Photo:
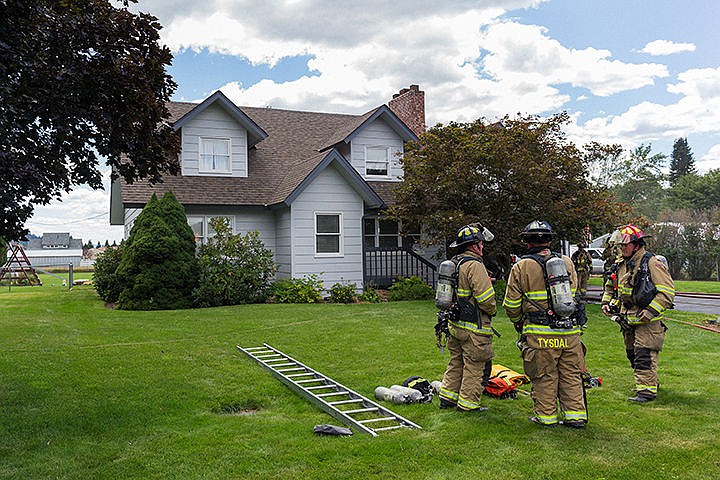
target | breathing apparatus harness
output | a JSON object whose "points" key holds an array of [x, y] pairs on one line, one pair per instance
{"points": [[643, 290], [452, 308], [562, 310]]}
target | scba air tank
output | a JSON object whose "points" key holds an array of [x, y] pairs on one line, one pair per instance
{"points": [[561, 295], [446, 282], [398, 394]]}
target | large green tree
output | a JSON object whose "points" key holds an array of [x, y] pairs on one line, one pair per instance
{"points": [[682, 162], [503, 174], [642, 186], [696, 192], [79, 80]]}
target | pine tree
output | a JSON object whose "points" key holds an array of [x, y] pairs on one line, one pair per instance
{"points": [[682, 162]]}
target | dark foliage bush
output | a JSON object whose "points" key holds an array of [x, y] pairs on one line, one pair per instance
{"points": [[105, 279]]}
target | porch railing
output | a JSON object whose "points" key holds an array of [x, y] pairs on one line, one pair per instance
{"points": [[383, 266]]}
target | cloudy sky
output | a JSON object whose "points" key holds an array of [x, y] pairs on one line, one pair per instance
{"points": [[627, 71]]}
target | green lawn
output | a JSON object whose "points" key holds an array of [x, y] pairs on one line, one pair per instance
{"points": [[680, 285], [89, 392]]}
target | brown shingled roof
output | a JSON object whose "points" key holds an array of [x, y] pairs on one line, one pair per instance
{"points": [[276, 166]]}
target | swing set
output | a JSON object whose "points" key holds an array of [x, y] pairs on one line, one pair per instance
{"points": [[17, 269]]}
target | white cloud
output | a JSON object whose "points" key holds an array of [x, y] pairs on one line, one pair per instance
{"points": [[696, 113], [698, 82], [524, 52], [469, 63], [84, 213], [709, 161], [667, 47]]}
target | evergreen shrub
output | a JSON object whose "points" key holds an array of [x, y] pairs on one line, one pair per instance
{"points": [[298, 290], [158, 268], [499, 286], [369, 295], [342, 293], [412, 288]]}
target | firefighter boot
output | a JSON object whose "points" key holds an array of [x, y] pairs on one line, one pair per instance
{"points": [[641, 398], [446, 404], [540, 422]]}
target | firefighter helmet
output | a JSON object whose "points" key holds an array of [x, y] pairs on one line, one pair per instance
{"points": [[537, 231], [469, 234], [631, 233]]}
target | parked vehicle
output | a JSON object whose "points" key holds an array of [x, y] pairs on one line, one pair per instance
{"points": [[597, 261]]}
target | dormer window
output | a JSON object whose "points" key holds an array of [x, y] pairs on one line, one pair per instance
{"points": [[214, 155], [377, 161]]}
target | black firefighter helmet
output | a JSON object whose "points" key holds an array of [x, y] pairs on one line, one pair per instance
{"points": [[472, 233], [537, 231]]}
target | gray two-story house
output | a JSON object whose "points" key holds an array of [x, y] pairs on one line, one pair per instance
{"points": [[314, 185]]}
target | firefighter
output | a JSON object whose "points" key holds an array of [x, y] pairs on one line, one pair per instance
{"points": [[553, 356], [612, 254], [582, 261], [638, 313], [470, 339]]}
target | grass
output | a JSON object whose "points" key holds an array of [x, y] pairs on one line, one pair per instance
{"points": [[89, 392], [698, 286]]}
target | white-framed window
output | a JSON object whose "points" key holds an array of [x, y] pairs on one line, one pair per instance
{"points": [[328, 234], [214, 155], [377, 161], [201, 227]]}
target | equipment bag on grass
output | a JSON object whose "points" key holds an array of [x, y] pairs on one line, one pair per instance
{"points": [[502, 388]]}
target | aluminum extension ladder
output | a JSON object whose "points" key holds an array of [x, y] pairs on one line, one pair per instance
{"points": [[342, 403]]}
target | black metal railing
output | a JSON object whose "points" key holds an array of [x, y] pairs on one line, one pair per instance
{"points": [[383, 266]]}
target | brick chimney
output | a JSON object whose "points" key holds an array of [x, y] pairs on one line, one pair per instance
{"points": [[409, 106]]}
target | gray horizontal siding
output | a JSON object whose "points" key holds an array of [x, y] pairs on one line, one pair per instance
{"points": [[377, 134], [328, 193], [214, 122]]}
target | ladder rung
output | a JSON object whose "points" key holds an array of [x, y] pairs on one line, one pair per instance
{"points": [[379, 419], [291, 369], [300, 374], [320, 387], [257, 348], [394, 427], [339, 392], [340, 402], [283, 364], [311, 380], [361, 410]]}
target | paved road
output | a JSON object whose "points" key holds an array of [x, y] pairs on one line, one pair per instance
{"points": [[683, 301]]}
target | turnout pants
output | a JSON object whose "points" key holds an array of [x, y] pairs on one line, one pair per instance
{"points": [[583, 278], [554, 364], [468, 369], [643, 343]]}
